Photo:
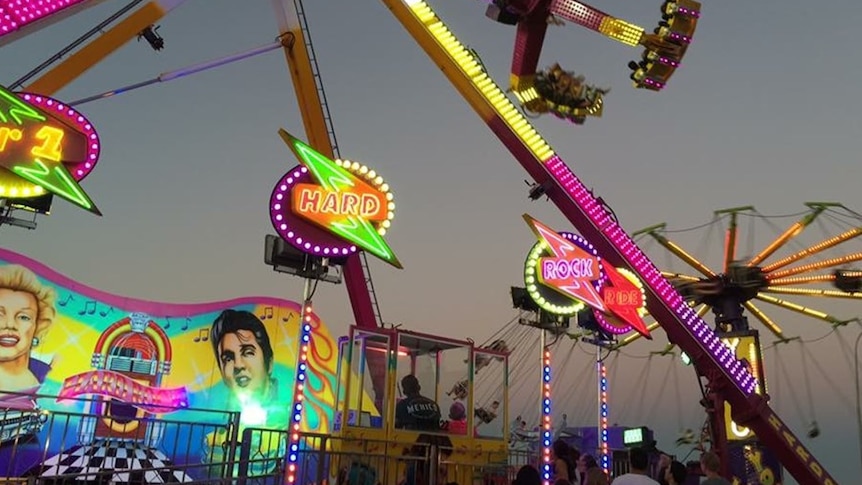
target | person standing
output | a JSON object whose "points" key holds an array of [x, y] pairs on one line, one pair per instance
{"points": [[710, 465], [415, 411], [564, 423], [675, 474], [638, 466]]}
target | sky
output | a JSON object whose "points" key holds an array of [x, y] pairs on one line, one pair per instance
{"points": [[763, 112]]}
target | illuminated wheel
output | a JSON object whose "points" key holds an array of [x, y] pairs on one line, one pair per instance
{"points": [[796, 271], [809, 266]]}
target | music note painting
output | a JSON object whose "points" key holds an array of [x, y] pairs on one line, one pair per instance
{"points": [[113, 366]]}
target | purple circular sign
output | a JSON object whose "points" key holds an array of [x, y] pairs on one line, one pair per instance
{"points": [[300, 233]]}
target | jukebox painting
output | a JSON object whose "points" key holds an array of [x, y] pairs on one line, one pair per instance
{"points": [[136, 390]]}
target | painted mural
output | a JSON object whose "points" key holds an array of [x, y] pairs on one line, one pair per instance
{"points": [[91, 381]]}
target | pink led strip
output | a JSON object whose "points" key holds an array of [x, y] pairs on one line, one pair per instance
{"points": [[579, 13], [16, 14], [651, 275]]}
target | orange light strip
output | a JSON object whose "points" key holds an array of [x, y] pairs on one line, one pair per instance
{"points": [[730, 245], [823, 245], [799, 280], [765, 320], [682, 254], [679, 276], [799, 308], [828, 263], [813, 292], [790, 233]]}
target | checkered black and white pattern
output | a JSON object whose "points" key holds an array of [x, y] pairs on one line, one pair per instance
{"points": [[118, 462]]}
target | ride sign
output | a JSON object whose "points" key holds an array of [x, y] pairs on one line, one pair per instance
{"points": [[569, 265], [335, 206], [45, 147]]}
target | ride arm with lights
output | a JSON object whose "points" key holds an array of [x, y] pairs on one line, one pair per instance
{"points": [[593, 221], [663, 50]]}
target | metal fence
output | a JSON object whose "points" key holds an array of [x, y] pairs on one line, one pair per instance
{"points": [[47, 447], [81, 448]]}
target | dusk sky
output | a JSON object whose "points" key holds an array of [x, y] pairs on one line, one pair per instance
{"points": [[764, 111]]}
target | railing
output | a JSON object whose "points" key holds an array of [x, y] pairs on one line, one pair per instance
{"points": [[51, 447], [56, 446]]}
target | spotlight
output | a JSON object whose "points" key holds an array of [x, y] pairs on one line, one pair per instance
{"points": [[522, 300], [154, 39], [538, 190]]}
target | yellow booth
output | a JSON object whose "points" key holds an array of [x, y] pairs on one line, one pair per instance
{"points": [[414, 408]]}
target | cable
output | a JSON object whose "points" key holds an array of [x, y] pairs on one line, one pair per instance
{"points": [[642, 377], [712, 222], [783, 372], [825, 375], [807, 381], [846, 349], [761, 215], [650, 414], [677, 396], [69, 48], [182, 72]]}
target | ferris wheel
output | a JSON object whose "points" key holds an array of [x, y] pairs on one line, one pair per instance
{"points": [[784, 273], [811, 263]]}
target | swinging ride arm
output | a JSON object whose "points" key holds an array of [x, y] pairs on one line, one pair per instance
{"points": [[683, 326], [307, 85]]}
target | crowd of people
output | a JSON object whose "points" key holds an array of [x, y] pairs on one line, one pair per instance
{"points": [[570, 467]]}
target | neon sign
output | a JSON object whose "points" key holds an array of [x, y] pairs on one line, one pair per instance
{"points": [[332, 208], [570, 266], [624, 295], [124, 388], [46, 147]]}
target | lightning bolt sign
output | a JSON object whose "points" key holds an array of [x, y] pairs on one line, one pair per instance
{"points": [[571, 270], [38, 147], [624, 300], [341, 202]]}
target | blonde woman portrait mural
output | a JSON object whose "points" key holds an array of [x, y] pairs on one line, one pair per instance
{"points": [[26, 312]]}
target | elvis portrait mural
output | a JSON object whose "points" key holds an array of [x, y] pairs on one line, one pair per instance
{"points": [[145, 391]]}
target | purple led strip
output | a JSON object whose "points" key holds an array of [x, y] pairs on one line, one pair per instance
{"points": [[650, 274], [610, 328], [668, 62], [578, 13], [280, 203], [689, 12], [680, 37], [15, 14], [69, 115], [653, 83]]}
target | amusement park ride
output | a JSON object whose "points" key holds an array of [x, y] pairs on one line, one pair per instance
{"points": [[374, 358]]}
